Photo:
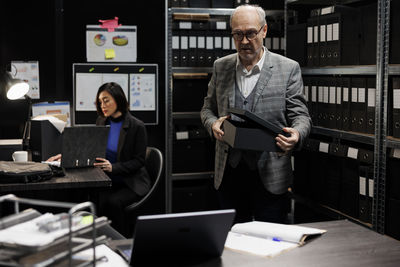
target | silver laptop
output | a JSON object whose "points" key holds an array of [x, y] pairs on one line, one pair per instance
{"points": [[179, 237], [81, 145]]}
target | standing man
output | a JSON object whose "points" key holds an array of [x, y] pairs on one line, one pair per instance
{"points": [[269, 85]]}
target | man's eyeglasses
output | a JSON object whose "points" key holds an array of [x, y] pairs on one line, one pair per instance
{"points": [[250, 35]]}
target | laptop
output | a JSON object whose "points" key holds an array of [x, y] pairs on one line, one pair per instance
{"points": [[81, 145], [178, 237]]}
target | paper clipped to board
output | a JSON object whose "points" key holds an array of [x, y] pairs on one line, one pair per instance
{"points": [[268, 239]]}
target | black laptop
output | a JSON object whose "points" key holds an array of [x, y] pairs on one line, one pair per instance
{"points": [[81, 145], [179, 237]]}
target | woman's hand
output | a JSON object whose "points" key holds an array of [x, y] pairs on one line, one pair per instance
{"points": [[54, 158], [104, 164]]}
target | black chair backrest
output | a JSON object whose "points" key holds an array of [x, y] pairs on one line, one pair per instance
{"points": [[153, 163]]}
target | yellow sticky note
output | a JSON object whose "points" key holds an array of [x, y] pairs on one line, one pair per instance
{"points": [[87, 219], [109, 53]]}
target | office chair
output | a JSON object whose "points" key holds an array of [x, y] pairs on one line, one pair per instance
{"points": [[154, 166]]}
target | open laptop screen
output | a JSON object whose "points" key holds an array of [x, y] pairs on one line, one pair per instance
{"points": [[180, 236], [81, 145]]}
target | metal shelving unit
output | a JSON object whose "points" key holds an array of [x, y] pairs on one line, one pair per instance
{"points": [[382, 69]]}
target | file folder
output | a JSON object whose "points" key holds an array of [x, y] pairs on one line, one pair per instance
{"points": [[314, 100], [339, 107], [310, 41], [200, 29], [296, 46], [348, 202], [192, 50], [175, 45], [184, 48], [346, 103], [307, 93], [331, 114], [366, 190], [396, 106], [358, 104], [369, 34], [365, 156], [370, 124], [322, 41]]}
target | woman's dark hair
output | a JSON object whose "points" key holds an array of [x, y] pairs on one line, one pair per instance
{"points": [[115, 90]]}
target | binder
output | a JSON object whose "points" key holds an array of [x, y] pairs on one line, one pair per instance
{"points": [[394, 38], [338, 107], [368, 34], [393, 174], [342, 28], [366, 191], [192, 50], [307, 93], [396, 106], [221, 28], [348, 202], [365, 156], [184, 29], [314, 100], [358, 104], [322, 41], [226, 40], [314, 22], [312, 40], [200, 28], [331, 113], [346, 103], [175, 45], [320, 102], [370, 124], [210, 55]]}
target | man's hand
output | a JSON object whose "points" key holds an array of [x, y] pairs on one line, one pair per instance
{"points": [[288, 143], [216, 128]]}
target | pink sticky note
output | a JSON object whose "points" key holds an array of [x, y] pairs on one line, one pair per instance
{"points": [[109, 24]]}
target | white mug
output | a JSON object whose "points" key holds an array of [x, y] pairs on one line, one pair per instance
{"points": [[21, 156]]}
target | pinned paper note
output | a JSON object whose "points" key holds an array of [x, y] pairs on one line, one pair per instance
{"points": [[109, 53], [109, 24]]}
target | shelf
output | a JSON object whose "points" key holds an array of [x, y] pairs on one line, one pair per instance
{"points": [[328, 211], [340, 70], [191, 70], [344, 135], [192, 176], [186, 115], [393, 142], [322, 3], [220, 11], [394, 69]]}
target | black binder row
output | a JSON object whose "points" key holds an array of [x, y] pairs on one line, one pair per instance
{"points": [[337, 176], [348, 103], [200, 43], [342, 35], [393, 195], [333, 36]]}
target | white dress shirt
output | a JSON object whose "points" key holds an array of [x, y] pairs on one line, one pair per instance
{"points": [[246, 80]]}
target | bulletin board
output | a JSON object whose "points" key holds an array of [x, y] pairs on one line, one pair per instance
{"points": [[138, 81]]}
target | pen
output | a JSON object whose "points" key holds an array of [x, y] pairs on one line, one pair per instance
{"points": [[276, 239]]}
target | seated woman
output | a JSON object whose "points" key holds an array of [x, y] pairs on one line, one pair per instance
{"points": [[125, 155]]}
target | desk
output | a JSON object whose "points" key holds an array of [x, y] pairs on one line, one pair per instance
{"points": [[74, 178], [344, 244]]}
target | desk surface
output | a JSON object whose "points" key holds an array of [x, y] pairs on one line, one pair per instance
{"points": [[344, 244], [74, 178]]}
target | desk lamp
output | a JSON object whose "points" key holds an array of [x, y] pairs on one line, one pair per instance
{"points": [[15, 89]]}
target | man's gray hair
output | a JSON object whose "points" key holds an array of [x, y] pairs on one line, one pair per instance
{"points": [[260, 11]]}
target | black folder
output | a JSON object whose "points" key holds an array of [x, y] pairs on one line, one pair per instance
{"points": [[331, 106], [366, 190], [175, 44], [200, 29], [346, 103], [192, 49], [45, 140], [296, 45], [252, 133], [396, 106], [314, 100], [322, 41], [339, 101], [359, 104], [312, 41], [210, 53], [184, 47], [370, 124], [348, 202]]}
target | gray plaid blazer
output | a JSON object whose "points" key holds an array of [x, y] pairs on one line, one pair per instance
{"points": [[278, 99]]}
